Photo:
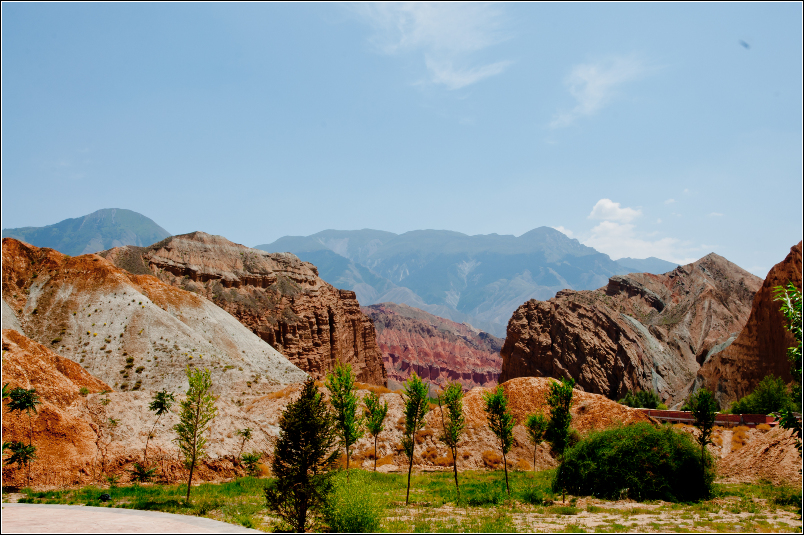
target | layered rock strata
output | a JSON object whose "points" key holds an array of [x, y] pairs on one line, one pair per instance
{"points": [[761, 347], [437, 349], [133, 331], [640, 332], [276, 295]]}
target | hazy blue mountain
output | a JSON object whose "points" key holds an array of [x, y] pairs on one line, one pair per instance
{"points": [[104, 229], [479, 279], [651, 264]]}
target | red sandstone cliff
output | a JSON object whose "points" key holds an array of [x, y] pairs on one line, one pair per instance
{"points": [[761, 347], [276, 295], [641, 331], [437, 349]]}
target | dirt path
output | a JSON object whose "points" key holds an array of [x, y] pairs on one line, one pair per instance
{"points": [[33, 518]]}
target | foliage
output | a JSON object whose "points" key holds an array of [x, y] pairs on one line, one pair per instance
{"points": [[770, 395], [453, 424], [160, 404], [559, 398], [142, 473], [21, 454], [197, 411], [250, 461], [375, 414], [414, 395], [246, 434], [703, 406], [536, 426], [501, 423], [303, 459], [638, 461], [21, 399], [641, 399], [790, 297], [353, 507], [349, 425]]}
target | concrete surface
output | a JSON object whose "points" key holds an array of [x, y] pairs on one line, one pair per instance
{"points": [[36, 518]]}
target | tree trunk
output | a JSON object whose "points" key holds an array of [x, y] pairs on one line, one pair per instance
{"points": [[190, 480], [375, 453], [505, 465], [410, 469], [347, 463], [534, 458], [145, 452], [455, 470]]}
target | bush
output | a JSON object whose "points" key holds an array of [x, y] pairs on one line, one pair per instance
{"points": [[486, 493], [641, 399], [353, 506], [770, 395], [639, 461]]}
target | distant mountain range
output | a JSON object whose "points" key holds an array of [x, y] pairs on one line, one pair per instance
{"points": [[479, 279], [104, 229]]}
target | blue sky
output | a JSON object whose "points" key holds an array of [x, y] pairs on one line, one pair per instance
{"points": [[669, 130]]}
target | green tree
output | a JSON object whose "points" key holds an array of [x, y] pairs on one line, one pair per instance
{"points": [[375, 414], [559, 398], [250, 461], [703, 406], [453, 424], [142, 474], [501, 423], [246, 434], [770, 395], [22, 455], [197, 411], [536, 426], [790, 297], [21, 399], [644, 399], [341, 385], [303, 459], [414, 395], [160, 404]]}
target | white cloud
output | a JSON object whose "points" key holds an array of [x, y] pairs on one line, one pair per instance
{"points": [[715, 214], [669, 201], [594, 85], [564, 231], [620, 240], [686, 191], [658, 221], [609, 210], [447, 34]]}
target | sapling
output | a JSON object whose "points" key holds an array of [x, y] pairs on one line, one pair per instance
{"points": [[452, 424], [375, 417], [197, 411], [501, 423], [536, 425], [341, 385], [416, 406]]}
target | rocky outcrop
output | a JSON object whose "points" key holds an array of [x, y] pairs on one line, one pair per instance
{"points": [[761, 347], [276, 295], [641, 331], [133, 331], [437, 349]]}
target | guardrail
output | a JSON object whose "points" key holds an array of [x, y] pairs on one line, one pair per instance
{"points": [[725, 420]]}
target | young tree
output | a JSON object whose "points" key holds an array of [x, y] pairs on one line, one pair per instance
{"points": [[790, 297], [303, 459], [536, 425], [703, 406], [453, 424], [21, 454], [246, 434], [197, 411], [375, 417], [501, 423], [559, 399], [414, 394], [341, 386], [160, 404], [25, 400]]}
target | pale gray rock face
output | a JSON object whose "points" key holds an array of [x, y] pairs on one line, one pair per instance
{"points": [[10, 320]]}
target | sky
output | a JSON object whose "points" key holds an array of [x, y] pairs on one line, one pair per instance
{"points": [[667, 130]]}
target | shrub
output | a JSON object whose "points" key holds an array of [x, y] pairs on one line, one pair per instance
{"points": [[640, 461], [492, 459], [486, 493], [353, 506], [83, 391], [770, 395], [641, 399]]}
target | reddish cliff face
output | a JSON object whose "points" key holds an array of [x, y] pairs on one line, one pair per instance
{"points": [[761, 347], [437, 349], [641, 331], [276, 295]]}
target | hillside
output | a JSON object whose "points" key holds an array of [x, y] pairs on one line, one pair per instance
{"points": [[437, 349], [479, 279], [110, 227], [639, 332]]}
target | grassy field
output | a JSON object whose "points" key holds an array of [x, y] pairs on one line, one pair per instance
{"points": [[484, 505]]}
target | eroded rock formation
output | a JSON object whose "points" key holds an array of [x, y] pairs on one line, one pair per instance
{"points": [[761, 347], [641, 331], [276, 295], [437, 349]]}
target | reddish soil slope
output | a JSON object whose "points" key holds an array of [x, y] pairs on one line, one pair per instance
{"points": [[437, 349], [276, 295], [641, 331], [761, 347]]}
